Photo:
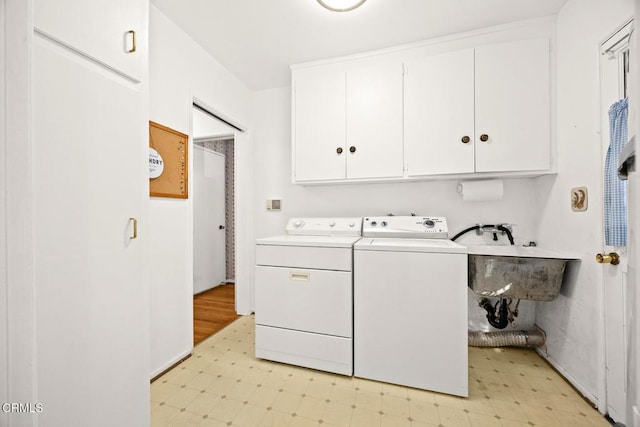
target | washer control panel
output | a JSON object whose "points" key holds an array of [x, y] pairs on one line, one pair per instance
{"points": [[325, 226], [409, 227]]}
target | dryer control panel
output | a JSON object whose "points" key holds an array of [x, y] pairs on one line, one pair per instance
{"points": [[409, 227], [324, 226]]}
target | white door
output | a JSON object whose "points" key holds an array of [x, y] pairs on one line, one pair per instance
{"points": [[438, 114], [374, 122], [208, 219], [318, 125], [512, 106], [90, 181], [615, 276]]}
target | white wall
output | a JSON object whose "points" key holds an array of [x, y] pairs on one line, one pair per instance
{"points": [[181, 71], [573, 322]]}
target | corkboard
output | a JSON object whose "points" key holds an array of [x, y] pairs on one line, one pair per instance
{"points": [[173, 148]]}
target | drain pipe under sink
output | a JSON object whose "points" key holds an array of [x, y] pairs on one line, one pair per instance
{"points": [[535, 338]]}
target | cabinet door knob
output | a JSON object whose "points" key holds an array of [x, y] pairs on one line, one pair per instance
{"points": [[352, 149], [465, 139], [484, 137], [339, 150]]}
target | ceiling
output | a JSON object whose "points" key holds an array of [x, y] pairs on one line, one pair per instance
{"points": [[257, 40]]}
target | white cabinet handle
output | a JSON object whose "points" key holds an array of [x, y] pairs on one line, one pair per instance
{"points": [[301, 277]]}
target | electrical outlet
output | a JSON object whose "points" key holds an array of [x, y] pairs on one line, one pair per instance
{"points": [[579, 199], [274, 204]]}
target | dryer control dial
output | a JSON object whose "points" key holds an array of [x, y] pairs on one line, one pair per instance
{"points": [[298, 224]]}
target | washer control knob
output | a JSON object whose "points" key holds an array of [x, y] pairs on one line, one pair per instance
{"points": [[298, 224], [383, 223], [374, 223], [429, 223]]}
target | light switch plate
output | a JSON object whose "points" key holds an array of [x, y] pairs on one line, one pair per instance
{"points": [[579, 199]]}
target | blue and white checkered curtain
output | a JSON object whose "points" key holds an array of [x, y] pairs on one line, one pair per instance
{"points": [[615, 190]]}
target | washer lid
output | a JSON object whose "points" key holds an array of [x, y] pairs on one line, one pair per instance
{"points": [[312, 241], [410, 245]]}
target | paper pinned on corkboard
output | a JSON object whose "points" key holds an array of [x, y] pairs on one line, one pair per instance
{"points": [[168, 166]]}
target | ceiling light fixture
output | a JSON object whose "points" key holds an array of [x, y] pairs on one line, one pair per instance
{"points": [[341, 5]]}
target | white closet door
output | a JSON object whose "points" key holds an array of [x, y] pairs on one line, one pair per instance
{"points": [[98, 29], [208, 218], [374, 122], [90, 176], [438, 114], [512, 106]]}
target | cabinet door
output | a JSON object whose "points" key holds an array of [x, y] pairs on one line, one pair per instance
{"points": [[512, 106], [438, 114], [374, 122], [318, 125], [90, 176], [98, 29]]}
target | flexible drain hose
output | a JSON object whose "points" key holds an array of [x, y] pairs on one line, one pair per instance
{"points": [[506, 339]]}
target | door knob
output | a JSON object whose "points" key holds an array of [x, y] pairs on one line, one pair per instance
{"points": [[221, 227], [612, 258]]}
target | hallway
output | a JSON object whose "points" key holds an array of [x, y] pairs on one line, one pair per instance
{"points": [[213, 310]]}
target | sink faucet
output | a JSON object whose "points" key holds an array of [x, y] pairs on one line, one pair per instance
{"points": [[495, 229]]}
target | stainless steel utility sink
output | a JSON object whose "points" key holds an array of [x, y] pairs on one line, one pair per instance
{"points": [[516, 272]]}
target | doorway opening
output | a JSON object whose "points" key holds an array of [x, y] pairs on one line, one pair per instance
{"points": [[213, 224]]}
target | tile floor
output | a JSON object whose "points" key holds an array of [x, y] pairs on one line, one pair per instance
{"points": [[223, 384]]}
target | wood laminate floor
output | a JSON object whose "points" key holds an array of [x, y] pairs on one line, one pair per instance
{"points": [[213, 310]]}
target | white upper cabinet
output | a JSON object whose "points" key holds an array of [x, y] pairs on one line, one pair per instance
{"points": [[374, 121], [410, 114], [319, 130], [107, 31], [438, 115], [512, 106], [479, 110], [347, 124]]}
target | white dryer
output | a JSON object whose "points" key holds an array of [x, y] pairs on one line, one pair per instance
{"points": [[410, 304], [304, 294]]}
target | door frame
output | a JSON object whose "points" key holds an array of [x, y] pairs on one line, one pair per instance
{"points": [[243, 207], [18, 334], [615, 43], [4, 328]]}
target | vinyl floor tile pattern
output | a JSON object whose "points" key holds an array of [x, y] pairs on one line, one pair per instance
{"points": [[223, 384]]}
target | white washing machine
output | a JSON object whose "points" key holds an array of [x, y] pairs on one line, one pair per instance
{"points": [[304, 294], [410, 304]]}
